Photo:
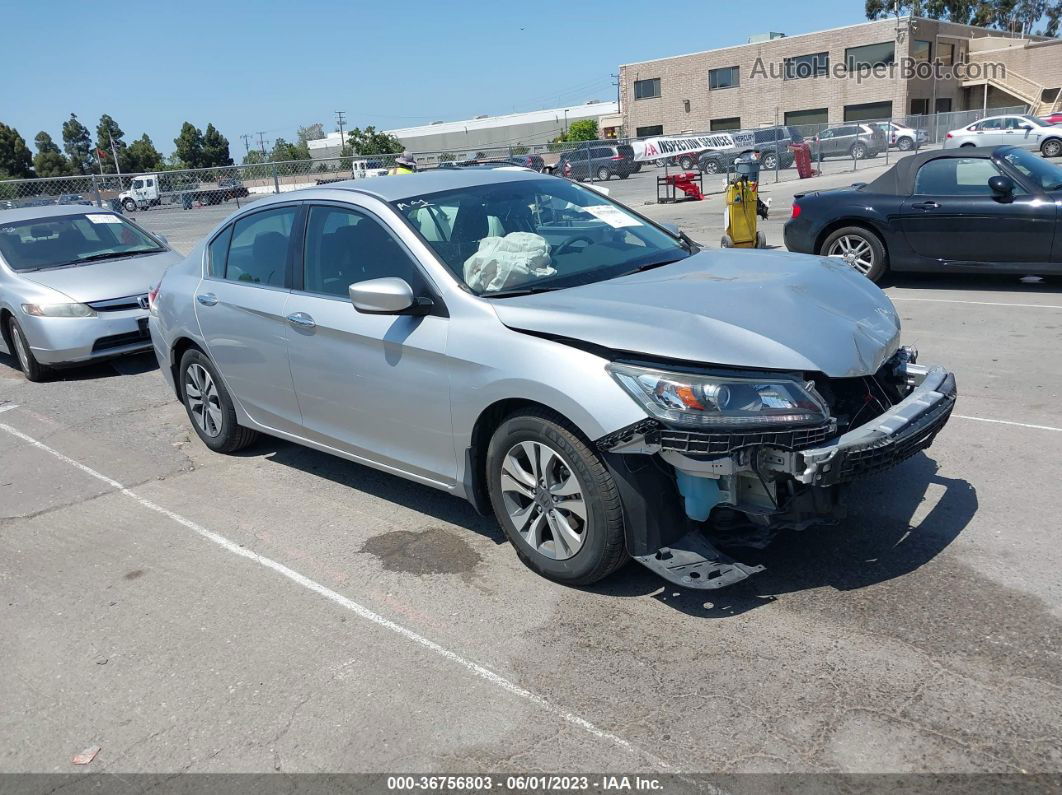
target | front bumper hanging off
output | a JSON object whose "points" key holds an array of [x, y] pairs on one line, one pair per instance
{"points": [[678, 551]]}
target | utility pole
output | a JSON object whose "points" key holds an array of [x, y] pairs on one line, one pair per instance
{"points": [[342, 140], [261, 143], [246, 142]]}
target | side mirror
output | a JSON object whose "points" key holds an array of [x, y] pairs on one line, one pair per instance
{"points": [[1025, 127], [387, 296], [1001, 186], [670, 227], [163, 238]]}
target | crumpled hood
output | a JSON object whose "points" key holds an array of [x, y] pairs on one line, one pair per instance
{"points": [[743, 308], [100, 281]]}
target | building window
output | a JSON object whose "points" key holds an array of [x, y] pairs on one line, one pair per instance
{"points": [[727, 77], [870, 55], [647, 89], [650, 131], [807, 66], [919, 107], [945, 53], [732, 123], [922, 50], [943, 105], [812, 116], [868, 111]]}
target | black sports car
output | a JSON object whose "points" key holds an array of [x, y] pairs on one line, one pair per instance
{"points": [[976, 210]]}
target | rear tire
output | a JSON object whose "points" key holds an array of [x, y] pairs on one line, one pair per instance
{"points": [[209, 405], [1051, 148], [859, 248], [770, 161], [711, 167], [578, 545], [905, 144], [31, 368]]}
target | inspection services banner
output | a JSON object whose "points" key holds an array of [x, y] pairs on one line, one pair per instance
{"points": [[673, 145]]}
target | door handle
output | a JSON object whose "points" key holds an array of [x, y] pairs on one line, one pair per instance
{"points": [[925, 206], [207, 299], [301, 320]]}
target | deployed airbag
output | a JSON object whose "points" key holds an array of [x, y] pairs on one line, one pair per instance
{"points": [[503, 262]]}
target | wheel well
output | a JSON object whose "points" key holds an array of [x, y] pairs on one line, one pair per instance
{"points": [[5, 331], [176, 352], [968, 145], [476, 456], [835, 225]]}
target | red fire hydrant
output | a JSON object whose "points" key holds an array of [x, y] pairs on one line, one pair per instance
{"points": [[802, 155]]}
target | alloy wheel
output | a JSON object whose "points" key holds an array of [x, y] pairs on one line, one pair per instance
{"points": [[544, 500], [855, 251], [20, 349], [203, 400]]}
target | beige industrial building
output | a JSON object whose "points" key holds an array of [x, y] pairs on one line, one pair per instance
{"points": [[875, 70]]}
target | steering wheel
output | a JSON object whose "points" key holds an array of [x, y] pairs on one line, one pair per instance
{"points": [[563, 247]]}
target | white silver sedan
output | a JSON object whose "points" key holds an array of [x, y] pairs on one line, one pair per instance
{"points": [[1012, 130]]}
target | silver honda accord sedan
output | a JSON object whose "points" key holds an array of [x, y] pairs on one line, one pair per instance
{"points": [[74, 282], [600, 384]]}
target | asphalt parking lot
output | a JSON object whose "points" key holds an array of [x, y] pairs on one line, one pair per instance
{"points": [[283, 610]]}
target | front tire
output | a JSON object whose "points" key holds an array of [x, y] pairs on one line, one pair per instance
{"points": [[31, 368], [1052, 148], [555, 499], [905, 144], [686, 163], [711, 167], [129, 205], [859, 248], [858, 151], [603, 174], [210, 407]]}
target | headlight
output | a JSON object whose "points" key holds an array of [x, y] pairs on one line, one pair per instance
{"points": [[59, 310], [686, 399]]}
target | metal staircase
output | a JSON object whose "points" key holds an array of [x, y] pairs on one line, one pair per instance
{"points": [[1028, 91]]}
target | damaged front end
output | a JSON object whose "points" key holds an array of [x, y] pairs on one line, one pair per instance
{"points": [[731, 461]]}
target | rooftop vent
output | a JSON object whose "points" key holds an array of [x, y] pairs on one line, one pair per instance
{"points": [[759, 38]]}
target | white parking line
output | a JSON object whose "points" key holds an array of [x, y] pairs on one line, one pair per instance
{"points": [[8, 407], [348, 604], [1008, 422], [979, 303]]}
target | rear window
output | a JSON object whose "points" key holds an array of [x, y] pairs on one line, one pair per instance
{"points": [[70, 240]]}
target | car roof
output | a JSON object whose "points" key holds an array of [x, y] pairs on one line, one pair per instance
{"points": [[48, 211], [899, 180]]}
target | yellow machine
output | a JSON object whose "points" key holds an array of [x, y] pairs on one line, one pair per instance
{"points": [[743, 206]]}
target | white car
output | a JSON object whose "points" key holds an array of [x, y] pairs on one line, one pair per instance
{"points": [[1025, 131], [901, 137]]}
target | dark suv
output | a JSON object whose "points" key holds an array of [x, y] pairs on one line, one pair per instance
{"points": [[772, 143], [857, 141], [603, 162]]}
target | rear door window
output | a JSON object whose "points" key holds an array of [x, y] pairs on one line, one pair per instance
{"points": [[258, 253]]}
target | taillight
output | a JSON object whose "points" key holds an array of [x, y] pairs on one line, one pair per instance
{"points": [[153, 297], [796, 210], [948, 135], [616, 157]]}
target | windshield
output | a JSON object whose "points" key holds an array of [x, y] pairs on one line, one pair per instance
{"points": [[1047, 175], [67, 240], [530, 235]]}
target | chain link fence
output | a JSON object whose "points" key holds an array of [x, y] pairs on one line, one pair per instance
{"points": [[834, 148]]}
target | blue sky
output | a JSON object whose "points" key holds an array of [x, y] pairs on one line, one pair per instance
{"points": [[274, 66]]}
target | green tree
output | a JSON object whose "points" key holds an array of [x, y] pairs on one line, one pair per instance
{"points": [[215, 148], [77, 143], [519, 149], [108, 131], [49, 160], [254, 157], [311, 132], [189, 145], [15, 157], [282, 150], [141, 155], [371, 142], [1011, 15], [582, 130]]}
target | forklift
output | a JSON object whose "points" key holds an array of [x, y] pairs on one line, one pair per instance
{"points": [[743, 205]]}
